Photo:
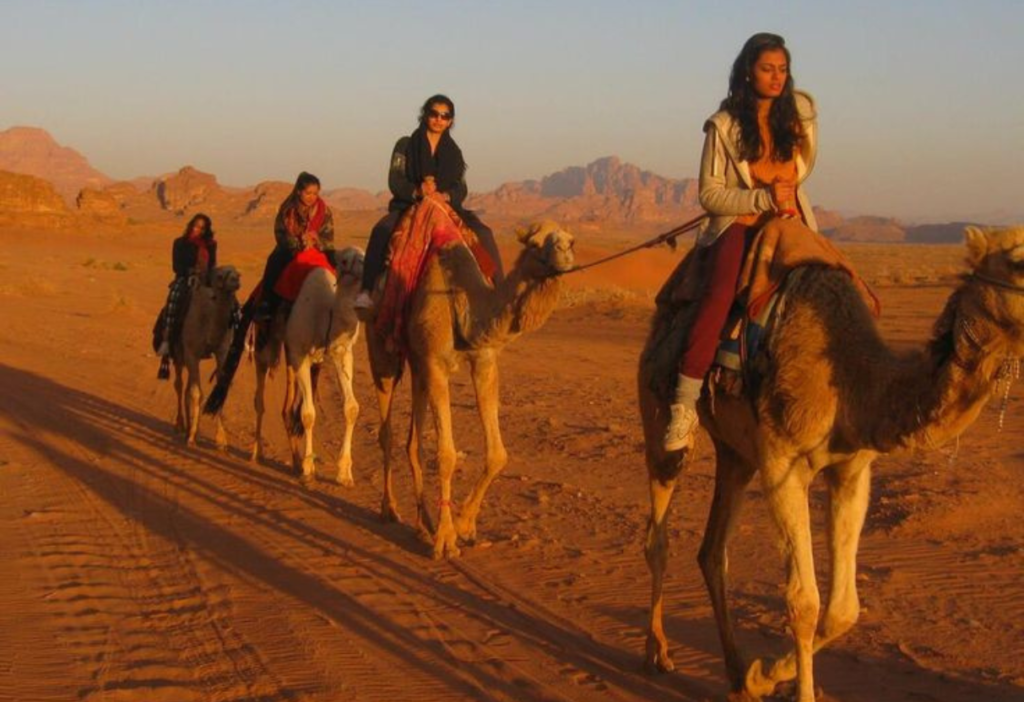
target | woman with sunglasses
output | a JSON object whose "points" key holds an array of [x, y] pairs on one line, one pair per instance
{"points": [[426, 163]]}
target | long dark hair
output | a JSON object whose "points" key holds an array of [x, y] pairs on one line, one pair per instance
{"points": [[304, 181], [741, 103], [444, 100], [208, 234]]}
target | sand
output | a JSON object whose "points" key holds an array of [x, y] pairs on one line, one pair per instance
{"points": [[137, 569]]}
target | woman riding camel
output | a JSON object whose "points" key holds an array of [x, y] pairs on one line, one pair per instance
{"points": [[194, 253], [758, 150], [426, 164], [303, 221]]}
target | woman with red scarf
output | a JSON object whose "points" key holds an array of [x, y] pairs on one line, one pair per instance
{"points": [[303, 221], [194, 253]]}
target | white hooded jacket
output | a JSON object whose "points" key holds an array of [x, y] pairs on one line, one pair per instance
{"points": [[726, 186]]}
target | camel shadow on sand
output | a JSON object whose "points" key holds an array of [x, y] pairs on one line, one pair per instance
{"points": [[119, 470]]}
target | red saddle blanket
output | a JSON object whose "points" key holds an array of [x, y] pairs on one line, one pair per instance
{"points": [[423, 230], [294, 274]]}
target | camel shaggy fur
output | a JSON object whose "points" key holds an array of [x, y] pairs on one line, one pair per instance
{"points": [[830, 398], [206, 332], [456, 316], [322, 324]]}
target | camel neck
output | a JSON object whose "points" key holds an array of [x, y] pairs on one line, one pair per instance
{"points": [[522, 304], [966, 360]]}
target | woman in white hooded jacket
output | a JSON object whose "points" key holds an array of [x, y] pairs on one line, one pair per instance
{"points": [[758, 150]]}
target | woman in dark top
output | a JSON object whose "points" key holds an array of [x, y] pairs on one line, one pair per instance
{"points": [[424, 164], [194, 253]]}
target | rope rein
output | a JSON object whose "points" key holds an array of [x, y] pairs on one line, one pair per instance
{"points": [[668, 237]]}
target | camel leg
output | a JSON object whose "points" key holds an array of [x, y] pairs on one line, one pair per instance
{"points": [[222, 435], [732, 475], [307, 413], [656, 554], [259, 403], [485, 380], [786, 486], [424, 524], [289, 413], [343, 365], [179, 391], [385, 386], [849, 488], [194, 391], [436, 384]]}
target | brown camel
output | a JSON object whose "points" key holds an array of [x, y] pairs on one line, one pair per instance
{"points": [[455, 315], [322, 324], [206, 332], [817, 407]]}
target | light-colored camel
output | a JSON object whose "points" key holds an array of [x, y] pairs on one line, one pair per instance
{"points": [[322, 324], [206, 332], [830, 398], [455, 316]]}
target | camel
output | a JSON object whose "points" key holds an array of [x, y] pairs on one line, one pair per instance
{"points": [[322, 324], [457, 316], [815, 408], [206, 331]]}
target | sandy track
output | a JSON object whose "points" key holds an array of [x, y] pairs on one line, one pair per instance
{"points": [[140, 570]]}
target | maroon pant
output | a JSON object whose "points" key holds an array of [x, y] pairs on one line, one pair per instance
{"points": [[718, 296]]}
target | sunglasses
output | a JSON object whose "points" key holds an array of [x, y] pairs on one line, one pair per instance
{"points": [[434, 114]]}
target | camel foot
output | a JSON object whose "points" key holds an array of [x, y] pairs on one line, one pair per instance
{"points": [[757, 684], [424, 524], [657, 659], [256, 455], [389, 513], [466, 529], [344, 476], [445, 543]]}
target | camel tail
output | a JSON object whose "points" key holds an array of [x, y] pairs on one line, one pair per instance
{"points": [[219, 394]]}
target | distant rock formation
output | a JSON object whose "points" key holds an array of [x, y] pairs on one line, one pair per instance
{"points": [[102, 206], [32, 151], [606, 190], [31, 202], [867, 229], [185, 190]]}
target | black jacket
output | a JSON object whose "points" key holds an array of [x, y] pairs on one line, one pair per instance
{"points": [[185, 257], [403, 190]]}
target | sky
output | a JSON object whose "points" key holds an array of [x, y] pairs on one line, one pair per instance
{"points": [[921, 108]]}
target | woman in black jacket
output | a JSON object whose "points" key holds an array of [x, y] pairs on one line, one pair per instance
{"points": [[194, 253], [422, 164]]}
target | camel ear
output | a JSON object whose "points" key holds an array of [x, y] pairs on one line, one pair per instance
{"points": [[524, 234], [977, 245]]}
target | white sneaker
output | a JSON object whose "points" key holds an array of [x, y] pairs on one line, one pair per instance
{"points": [[164, 350], [681, 426], [363, 301]]}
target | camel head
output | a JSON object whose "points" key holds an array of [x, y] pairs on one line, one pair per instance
{"points": [[548, 249], [996, 259], [226, 278], [350, 263]]}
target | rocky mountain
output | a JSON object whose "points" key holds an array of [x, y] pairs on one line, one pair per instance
{"points": [[32, 151], [606, 190], [29, 201]]}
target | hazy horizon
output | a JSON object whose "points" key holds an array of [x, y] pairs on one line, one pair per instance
{"points": [[917, 116]]}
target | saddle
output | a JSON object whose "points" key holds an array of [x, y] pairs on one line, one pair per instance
{"points": [[777, 258], [423, 230]]}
